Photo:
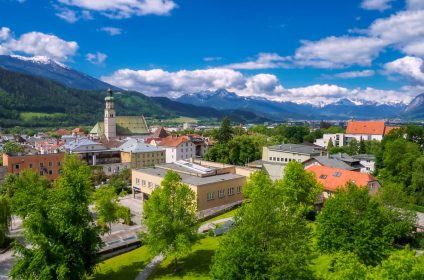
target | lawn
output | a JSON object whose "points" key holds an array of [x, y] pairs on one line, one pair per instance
{"points": [[28, 116], [183, 120], [228, 214], [194, 266], [123, 267]]}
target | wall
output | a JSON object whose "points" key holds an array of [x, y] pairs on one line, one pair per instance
{"points": [[143, 159], [283, 157]]}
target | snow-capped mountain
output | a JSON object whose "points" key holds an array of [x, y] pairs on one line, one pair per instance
{"points": [[51, 69], [342, 109], [415, 109]]}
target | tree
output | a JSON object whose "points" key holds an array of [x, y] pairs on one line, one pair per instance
{"points": [[58, 225], [417, 185], [12, 147], [225, 132], [5, 219], [346, 265], [352, 221], [269, 239], [330, 144], [299, 186], [353, 147], [170, 217], [108, 208], [362, 148]]}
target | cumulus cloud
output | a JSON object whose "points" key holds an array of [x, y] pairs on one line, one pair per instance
{"points": [[4, 33], [96, 58], [112, 31], [263, 61], [352, 74], [379, 5], [124, 8], [408, 66], [339, 52], [158, 82], [72, 16], [415, 4], [37, 43]]}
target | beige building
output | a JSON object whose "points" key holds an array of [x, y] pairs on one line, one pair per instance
{"points": [[140, 154], [214, 186], [285, 153]]}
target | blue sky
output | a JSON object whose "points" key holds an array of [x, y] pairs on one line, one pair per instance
{"points": [[302, 51]]}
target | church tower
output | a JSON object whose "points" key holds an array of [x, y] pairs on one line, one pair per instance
{"points": [[110, 116]]}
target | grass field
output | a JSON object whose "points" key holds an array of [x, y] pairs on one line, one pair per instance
{"points": [[183, 120], [195, 266], [28, 116], [123, 267], [228, 214]]}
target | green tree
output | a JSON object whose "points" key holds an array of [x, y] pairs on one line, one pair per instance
{"points": [[225, 132], [353, 147], [418, 181], [346, 265], [64, 239], [269, 239], [108, 209], [12, 147], [170, 217], [362, 147], [299, 186], [5, 219], [352, 221], [330, 144]]}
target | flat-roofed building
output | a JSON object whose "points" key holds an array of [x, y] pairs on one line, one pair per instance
{"points": [[48, 165], [367, 161], [285, 153], [340, 160], [214, 186], [140, 154]]}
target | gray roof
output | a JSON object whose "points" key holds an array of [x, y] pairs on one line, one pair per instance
{"points": [[138, 146], [191, 179], [344, 157], [364, 157], [334, 163], [297, 148]]}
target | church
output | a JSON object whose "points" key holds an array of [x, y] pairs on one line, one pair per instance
{"points": [[117, 127]]}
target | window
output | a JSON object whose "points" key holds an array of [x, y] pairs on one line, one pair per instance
{"points": [[16, 166], [41, 164], [285, 159], [323, 176], [58, 163], [50, 163], [41, 173], [337, 174], [273, 158], [137, 181], [143, 183], [30, 165], [149, 185], [221, 193], [238, 189], [50, 172], [211, 196], [230, 191], [278, 159], [270, 158]]}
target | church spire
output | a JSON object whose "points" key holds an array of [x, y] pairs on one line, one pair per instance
{"points": [[110, 116]]}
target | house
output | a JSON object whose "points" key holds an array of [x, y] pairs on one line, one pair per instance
{"points": [[215, 187], [334, 178], [48, 165], [340, 160], [140, 154], [367, 162], [160, 132], [338, 140], [202, 144], [96, 154], [119, 127], [178, 148]]}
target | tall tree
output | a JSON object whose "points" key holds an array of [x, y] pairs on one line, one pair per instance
{"points": [[418, 181], [5, 219], [225, 132], [330, 144], [170, 217], [352, 221], [269, 238], [362, 147], [64, 239], [12, 147]]}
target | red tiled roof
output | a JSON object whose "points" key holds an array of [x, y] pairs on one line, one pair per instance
{"points": [[173, 141], [62, 131], [160, 133], [334, 178], [365, 127], [390, 128]]}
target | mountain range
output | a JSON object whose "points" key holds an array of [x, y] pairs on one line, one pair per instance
{"points": [[42, 85]]}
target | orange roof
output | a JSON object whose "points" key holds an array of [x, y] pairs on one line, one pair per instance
{"points": [[333, 178], [365, 127], [62, 131], [173, 141]]}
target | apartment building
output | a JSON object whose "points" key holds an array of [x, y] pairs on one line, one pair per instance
{"points": [[178, 148], [140, 154]]}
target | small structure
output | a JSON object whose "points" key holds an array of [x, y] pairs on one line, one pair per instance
{"points": [[340, 161], [367, 162]]}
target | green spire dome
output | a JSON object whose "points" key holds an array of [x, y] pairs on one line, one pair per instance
{"points": [[109, 96]]}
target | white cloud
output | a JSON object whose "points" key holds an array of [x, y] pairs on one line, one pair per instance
{"points": [[124, 8], [408, 66], [263, 61], [379, 5], [353, 74], [339, 52], [96, 58], [37, 43], [415, 4], [72, 16], [415, 48], [4, 33], [158, 82], [212, 58], [113, 31]]}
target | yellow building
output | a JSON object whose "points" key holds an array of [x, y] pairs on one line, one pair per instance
{"points": [[214, 187], [140, 154]]}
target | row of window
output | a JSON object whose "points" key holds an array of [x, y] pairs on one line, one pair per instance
{"points": [[144, 183], [221, 193], [17, 166], [152, 155], [283, 159]]}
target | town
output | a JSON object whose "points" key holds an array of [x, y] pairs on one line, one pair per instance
{"points": [[212, 140]]}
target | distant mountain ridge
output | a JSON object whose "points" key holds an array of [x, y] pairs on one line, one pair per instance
{"points": [[53, 70], [415, 109], [342, 109]]}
